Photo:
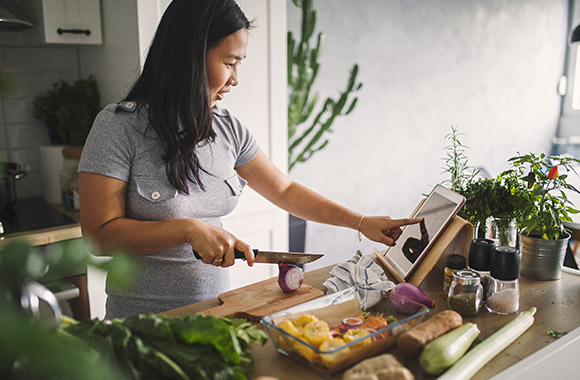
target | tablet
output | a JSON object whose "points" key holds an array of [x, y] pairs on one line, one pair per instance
{"points": [[437, 211]]}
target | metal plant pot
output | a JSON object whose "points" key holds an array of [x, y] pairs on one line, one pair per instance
{"points": [[542, 259]]}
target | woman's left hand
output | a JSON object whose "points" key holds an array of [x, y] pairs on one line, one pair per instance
{"points": [[383, 229]]}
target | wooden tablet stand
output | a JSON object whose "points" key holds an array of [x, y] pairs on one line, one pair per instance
{"points": [[455, 239]]}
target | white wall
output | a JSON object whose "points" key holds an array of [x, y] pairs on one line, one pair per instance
{"points": [[488, 67], [115, 63]]}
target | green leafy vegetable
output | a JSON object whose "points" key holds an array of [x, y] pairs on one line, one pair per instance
{"points": [[557, 334], [150, 346]]}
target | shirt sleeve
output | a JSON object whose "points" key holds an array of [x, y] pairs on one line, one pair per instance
{"points": [[246, 143], [108, 149]]}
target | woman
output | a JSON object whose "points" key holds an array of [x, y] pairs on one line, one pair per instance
{"points": [[160, 168]]}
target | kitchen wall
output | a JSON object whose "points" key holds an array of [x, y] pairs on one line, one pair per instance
{"points": [[490, 68], [32, 70], [34, 67]]}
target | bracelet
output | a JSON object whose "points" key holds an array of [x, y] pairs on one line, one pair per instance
{"points": [[358, 229]]}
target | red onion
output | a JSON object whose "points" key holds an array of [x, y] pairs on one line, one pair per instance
{"points": [[290, 277], [352, 323], [334, 334], [405, 297]]}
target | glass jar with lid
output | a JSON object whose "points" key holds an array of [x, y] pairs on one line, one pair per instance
{"points": [[465, 293], [504, 289], [454, 263]]}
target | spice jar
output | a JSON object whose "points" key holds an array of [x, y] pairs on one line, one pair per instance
{"points": [[480, 253], [465, 293], [454, 263], [504, 289]]}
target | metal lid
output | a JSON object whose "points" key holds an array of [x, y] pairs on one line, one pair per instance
{"points": [[466, 277]]}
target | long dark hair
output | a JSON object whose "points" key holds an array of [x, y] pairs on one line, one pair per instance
{"points": [[174, 83]]}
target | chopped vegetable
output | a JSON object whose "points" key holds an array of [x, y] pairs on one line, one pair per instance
{"points": [[331, 359], [481, 354], [405, 292], [285, 342], [304, 320], [290, 277], [443, 352], [356, 334], [411, 342], [316, 332], [352, 323]]}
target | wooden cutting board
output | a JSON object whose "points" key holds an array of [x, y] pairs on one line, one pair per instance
{"points": [[260, 299]]}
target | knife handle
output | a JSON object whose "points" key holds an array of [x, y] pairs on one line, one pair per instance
{"points": [[238, 254]]}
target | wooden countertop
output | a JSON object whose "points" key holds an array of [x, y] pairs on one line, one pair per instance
{"points": [[558, 304]]}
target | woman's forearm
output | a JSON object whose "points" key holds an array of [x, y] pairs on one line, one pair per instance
{"points": [[307, 204], [141, 237]]}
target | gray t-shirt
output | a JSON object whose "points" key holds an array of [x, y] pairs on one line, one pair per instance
{"points": [[122, 145]]}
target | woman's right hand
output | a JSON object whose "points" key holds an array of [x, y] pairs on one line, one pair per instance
{"points": [[216, 245]]}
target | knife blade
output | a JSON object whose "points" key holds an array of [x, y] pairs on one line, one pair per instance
{"points": [[276, 257]]}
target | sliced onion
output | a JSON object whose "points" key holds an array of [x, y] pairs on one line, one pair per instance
{"points": [[352, 323], [290, 277], [334, 334]]}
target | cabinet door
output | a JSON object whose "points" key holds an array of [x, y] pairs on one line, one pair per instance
{"points": [[72, 22]]}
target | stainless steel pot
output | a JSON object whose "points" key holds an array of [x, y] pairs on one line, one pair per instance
{"points": [[542, 259], [10, 173]]}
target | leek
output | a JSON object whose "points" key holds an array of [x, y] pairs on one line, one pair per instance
{"points": [[479, 356]]}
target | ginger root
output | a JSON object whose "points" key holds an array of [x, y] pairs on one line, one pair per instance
{"points": [[382, 367]]}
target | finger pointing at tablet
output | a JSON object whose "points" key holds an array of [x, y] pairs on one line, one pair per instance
{"points": [[383, 229]]}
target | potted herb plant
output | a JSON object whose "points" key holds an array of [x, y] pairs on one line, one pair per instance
{"points": [[543, 238], [68, 110], [492, 204]]}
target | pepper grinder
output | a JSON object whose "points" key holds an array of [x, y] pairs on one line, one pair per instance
{"points": [[480, 253], [504, 289]]}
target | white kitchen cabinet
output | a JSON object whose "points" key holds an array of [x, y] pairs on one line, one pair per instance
{"points": [[72, 22]]}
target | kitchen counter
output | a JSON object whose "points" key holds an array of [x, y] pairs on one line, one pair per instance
{"points": [[558, 304], [39, 223]]}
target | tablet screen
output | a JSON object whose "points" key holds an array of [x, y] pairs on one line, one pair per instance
{"points": [[436, 212]]}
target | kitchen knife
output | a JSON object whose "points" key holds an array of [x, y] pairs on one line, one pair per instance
{"points": [[274, 257]]}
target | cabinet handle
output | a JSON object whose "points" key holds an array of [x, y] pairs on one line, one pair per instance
{"points": [[86, 32]]}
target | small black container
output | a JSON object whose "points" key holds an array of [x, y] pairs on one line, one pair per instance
{"points": [[505, 263], [480, 253]]}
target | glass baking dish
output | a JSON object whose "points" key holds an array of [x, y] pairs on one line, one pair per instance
{"points": [[333, 309]]}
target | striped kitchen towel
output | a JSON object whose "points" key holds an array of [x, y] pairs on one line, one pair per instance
{"points": [[360, 271]]}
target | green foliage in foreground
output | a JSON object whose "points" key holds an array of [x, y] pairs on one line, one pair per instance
{"points": [[150, 346]]}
